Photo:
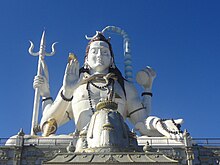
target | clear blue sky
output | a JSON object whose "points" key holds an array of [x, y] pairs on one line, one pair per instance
{"points": [[179, 39]]}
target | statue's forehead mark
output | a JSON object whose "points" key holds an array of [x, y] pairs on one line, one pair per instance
{"points": [[99, 44]]}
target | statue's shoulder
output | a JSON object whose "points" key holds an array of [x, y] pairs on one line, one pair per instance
{"points": [[130, 88], [128, 84]]}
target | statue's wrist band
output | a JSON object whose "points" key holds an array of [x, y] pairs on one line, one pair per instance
{"points": [[47, 98], [147, 93], [129, 115], [64, 98]]}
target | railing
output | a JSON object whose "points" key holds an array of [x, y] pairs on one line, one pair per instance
{"points": [[142, 141], [160, 141], [36, 141], [49, 141], [207, 141]]}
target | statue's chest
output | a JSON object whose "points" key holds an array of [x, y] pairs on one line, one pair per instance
{"points": [[85, 92]]}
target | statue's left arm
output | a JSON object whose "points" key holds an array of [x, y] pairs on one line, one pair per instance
{"points": [[139, 110]]}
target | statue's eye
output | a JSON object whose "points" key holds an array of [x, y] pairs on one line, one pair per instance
{"points": [[93, 51], [105, 52]]}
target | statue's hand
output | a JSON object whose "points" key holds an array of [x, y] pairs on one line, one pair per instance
{"points": [[145, 77], [170, 128], [42, 84], [71, 76]]}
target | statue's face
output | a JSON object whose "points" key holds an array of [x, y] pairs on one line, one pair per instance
{"points": [[99, 57]]}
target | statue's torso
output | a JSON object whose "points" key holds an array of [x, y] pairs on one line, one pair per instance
{"points": [[81, 104]]}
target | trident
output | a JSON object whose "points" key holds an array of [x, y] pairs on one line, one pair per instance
{"points": [[41, 54]]}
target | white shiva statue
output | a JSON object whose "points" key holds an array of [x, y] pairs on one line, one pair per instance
{"points": [[99, 85]]}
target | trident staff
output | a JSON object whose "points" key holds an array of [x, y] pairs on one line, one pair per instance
{"points": [[41, 54]]}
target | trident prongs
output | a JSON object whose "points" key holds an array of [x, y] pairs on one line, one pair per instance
{"points": [[30, 50], [53, 50], [42, 52]]}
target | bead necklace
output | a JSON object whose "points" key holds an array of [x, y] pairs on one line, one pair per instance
{"points": [[161, 121], [104, 87], [100, 87]]}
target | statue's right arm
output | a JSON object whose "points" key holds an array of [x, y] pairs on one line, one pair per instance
{"points": [[60, 110]]}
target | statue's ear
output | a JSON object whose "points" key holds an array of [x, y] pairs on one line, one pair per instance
{"points": [[112, 60], [86, 59], [112, 63], [86, 66]]}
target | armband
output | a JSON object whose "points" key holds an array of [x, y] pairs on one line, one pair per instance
{"points": [[64, 98], [47, 98], [147, 93], [129, 115]]}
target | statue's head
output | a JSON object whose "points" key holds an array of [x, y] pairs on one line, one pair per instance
{"points": [[99, 55], [102, 45]]}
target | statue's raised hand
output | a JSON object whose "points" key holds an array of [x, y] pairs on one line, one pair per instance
{"points": [[145, 77], [71, 76], [170, 128]]}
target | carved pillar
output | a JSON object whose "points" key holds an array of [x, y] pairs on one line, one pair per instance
{"points": [[188, 148], [19, 148]]}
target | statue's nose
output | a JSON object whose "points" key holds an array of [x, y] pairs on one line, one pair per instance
{"points": [[99, 52]]}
